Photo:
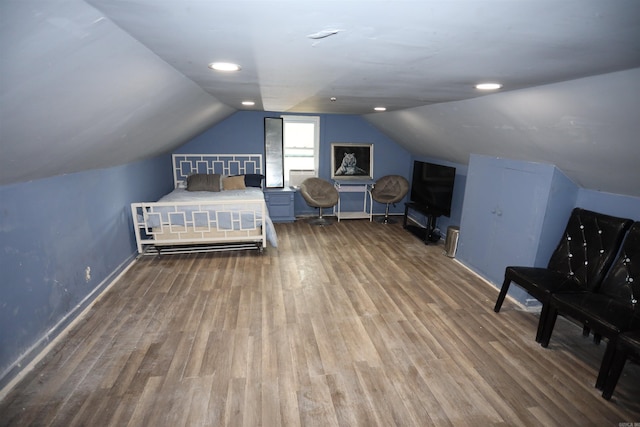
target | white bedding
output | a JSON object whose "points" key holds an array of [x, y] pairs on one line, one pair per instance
{"points": [[232, 199], [182, 195]]}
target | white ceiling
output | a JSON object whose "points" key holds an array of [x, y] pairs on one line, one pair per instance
{"points": [[98, 83], [397, 54]]}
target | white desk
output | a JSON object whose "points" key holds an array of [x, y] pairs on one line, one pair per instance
{"points": [[354, 186]]}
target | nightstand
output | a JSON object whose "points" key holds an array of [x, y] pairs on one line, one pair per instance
{"points": [[280, 204]]}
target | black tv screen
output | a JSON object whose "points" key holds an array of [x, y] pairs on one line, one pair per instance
{"points": [[432, 187]]}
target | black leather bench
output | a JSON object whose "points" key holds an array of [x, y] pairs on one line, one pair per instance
{"points": [[611, 309], [579, 263]]}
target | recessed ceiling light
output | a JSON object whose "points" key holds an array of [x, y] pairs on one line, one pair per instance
{"points": [[224, 66], [488, 86], [380, 108], [248, 103]]}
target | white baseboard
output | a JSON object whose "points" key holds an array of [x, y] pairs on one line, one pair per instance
{"points": [[523, 307]]}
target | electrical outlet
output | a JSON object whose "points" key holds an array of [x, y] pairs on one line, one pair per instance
{"points": [[87, 274]]}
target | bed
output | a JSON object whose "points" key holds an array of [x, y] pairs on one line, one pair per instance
{"points": [[217, 204]]}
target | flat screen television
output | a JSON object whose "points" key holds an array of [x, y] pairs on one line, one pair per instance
{"points": [[432, 187]]}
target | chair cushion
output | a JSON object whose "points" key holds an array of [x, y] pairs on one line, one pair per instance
{"points": [[541, 282], [319, 193], [605, 315], [390, 189]]}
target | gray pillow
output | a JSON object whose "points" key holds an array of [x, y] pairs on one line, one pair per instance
{"points": [[203, 182]]}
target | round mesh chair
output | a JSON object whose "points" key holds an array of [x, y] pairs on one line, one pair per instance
{"points": [[389, 189], [320, 194]]}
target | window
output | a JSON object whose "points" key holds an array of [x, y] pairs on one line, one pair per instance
{"points": [[301, 147]]}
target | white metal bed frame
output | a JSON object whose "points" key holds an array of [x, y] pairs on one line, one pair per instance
{"points": [[203, 226]]}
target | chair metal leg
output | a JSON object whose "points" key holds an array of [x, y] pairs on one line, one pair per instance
{"points": [[321, 220], [386, 219]]}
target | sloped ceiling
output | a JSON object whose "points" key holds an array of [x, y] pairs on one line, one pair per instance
{"points": [[587, 127], [97, 83], [78, 93]]}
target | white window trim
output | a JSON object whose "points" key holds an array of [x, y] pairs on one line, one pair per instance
{"points": [[316, 146]]}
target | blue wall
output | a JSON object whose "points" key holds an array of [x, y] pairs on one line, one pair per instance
{"points": [[50, 231], [610, 204], [561, 201], [554, 196], [243, 132]]}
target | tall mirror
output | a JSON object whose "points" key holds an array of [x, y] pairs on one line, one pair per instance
{"points": [[274, 152]]}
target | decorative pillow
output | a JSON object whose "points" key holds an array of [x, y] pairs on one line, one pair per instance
{"points": [[234, 183], [203, 182], [253, 180]]}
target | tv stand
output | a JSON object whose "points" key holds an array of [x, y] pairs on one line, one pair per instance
{"points": [[426, 234]]}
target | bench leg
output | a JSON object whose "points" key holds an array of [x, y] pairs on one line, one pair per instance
{"points": [[607, 360], [596, 337], [502, 294], [541, 323], [617, 365], [549, 324]]}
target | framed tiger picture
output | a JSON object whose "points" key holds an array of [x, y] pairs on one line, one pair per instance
{"points": [[351, 161]]}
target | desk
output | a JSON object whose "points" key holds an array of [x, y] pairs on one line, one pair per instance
{"points": [[354, 186]]}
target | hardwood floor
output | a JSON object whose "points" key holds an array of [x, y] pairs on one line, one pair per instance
{"points": [[353, 324]]}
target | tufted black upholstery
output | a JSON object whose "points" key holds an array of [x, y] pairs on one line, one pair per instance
{"points": [[588, 246], [614, 308], [586, 250], [628, 346]]}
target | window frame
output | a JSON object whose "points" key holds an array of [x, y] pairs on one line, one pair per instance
{"points": [[315, 120]]}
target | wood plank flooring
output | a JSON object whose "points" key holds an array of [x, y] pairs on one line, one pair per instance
{"points": [[355, 324]]}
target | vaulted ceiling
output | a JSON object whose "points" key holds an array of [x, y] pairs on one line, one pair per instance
{"points": [[98, 83]]}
